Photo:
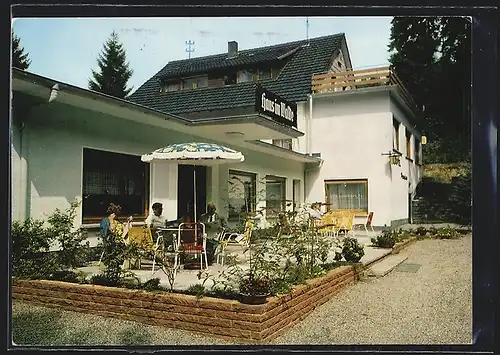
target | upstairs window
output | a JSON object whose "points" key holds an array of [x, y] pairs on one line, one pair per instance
{"points": [[283, 143], [195, 83], [264, 74], [230, 79], [245, 76], [408, 143], [171, 86], [395, 133], [418, 157]]}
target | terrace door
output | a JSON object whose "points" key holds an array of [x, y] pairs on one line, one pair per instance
{"points": [[185, 191]]}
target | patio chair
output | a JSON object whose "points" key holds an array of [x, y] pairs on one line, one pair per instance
{"points": [[345, 223], [192, 240], [222, 242], [242, 239], [367, 224], [328, 224]]}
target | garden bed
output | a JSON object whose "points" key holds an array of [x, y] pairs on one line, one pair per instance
{"points": [[224, 318]]}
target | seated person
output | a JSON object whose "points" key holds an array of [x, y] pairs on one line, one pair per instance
{"points": [[315, 210], [214, 223], [155, 219]]}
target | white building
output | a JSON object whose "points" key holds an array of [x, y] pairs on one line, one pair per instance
{"points": [[328, 147]]}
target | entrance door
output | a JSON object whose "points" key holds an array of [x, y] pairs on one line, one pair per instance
{"points": [[185, 192]]}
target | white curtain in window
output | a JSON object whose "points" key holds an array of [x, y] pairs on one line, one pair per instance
{"points": [[347, 196]]}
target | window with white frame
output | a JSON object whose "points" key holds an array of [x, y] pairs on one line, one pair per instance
{"points": [[275, 194], [350, 195], [395, 133], [116, 178], [408, 143], [242, 192]]}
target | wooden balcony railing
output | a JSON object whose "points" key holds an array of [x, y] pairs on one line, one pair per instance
{"points": [[357, 79]]}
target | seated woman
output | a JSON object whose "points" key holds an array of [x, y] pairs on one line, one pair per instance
{"points": [[110, 227]]}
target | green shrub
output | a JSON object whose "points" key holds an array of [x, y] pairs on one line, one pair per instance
{"points": [[197, 289], [65, 275], [351, 250], [447, 233], [152, 285], [30, 250], [101, 279], [386, 240], [421, 231], [460, 198], [72, 253]]}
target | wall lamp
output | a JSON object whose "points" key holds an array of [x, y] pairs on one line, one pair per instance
{"points": [[53, 93]]}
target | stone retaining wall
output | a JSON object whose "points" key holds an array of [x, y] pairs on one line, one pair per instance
{"points": [[224, 318]]}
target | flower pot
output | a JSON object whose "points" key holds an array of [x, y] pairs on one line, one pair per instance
{"points": [[351, 258], [253, 299]]}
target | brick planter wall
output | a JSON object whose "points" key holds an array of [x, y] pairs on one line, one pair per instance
{"points": [[224, 318]]}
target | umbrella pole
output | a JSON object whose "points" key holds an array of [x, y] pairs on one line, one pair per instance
{"points": [[194, 183]]}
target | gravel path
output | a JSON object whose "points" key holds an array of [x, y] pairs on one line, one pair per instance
{"points": [[431, 306]]}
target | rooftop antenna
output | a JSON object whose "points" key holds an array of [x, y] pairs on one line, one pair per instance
{"points": [[307, 28], [189, 50]]}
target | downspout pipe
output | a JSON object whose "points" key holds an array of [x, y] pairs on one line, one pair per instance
{"points": [[309, 133], [308, 144]]}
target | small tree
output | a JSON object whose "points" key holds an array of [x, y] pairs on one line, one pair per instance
{"points": [[114, 71], [20, 59]]}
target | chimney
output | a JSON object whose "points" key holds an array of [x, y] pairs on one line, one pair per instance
{"points": [[232, 49]]}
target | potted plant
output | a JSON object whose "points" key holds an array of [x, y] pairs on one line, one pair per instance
{"points": [[254, 289], [352, 251]]}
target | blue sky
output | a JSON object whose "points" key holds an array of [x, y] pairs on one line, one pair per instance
{"points": [[66, 49]]}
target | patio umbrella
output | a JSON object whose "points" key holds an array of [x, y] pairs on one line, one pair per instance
{"points": [[206, 154]]}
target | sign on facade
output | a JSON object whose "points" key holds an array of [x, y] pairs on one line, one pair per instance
{"points": [[273, 106]]}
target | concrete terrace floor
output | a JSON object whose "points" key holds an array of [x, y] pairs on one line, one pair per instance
{"points": [[186, 278]]}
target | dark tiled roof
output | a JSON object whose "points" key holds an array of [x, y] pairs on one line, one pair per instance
{"points": [[293, 83]]}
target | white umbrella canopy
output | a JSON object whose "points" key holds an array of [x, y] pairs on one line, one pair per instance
{"points": [[193, 153]]}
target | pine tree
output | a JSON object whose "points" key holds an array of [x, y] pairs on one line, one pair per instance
{"points": [[19, 58], [114, 71]]}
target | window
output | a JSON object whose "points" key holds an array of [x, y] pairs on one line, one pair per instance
{"points": [[275, 195], [283, 143], [339, 64], [349, 195], [245, 76], [418, 158], [230, 79], [395, 125], [113, 178], [242, 187], [408, 143], [171, 86], [264, 74], [195, 83]]}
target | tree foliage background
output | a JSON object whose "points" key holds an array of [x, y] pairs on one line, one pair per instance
{"points": [[114, 71], [20, 59], [432, 57]]}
